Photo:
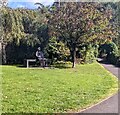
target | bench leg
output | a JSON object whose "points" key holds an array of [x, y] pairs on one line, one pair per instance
{"points": [[27, 64]]}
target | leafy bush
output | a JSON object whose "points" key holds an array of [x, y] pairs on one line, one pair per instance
{"points": [[57, 50], [62, 64], [88, 53], [90, 56], [111, 51]]}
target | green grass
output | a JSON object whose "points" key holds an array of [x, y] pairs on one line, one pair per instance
{"points": [[55, 90]]}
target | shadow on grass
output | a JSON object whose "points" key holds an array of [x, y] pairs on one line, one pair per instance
{"points": [[34, 66], [46, 67], [21, 66], [62, 67]]}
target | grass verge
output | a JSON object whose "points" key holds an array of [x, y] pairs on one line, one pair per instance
{"points": [[55, 90]]}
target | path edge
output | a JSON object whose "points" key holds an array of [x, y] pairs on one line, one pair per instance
{"points": [[108, 97]]}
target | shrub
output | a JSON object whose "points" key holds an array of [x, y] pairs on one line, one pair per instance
{"points": [[89, 53], [57, 50], [90, 56], [62, 64], [111, 51]]}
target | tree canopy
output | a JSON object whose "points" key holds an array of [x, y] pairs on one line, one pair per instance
{"points": [[63, 32], [80, 23]]}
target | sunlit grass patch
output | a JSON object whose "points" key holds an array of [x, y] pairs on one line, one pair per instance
{"points": [[55, 90]]}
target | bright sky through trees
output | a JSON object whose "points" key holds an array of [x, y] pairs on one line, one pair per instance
{"points": [[27, 3]]}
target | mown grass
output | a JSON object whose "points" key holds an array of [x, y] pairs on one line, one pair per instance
{"points": [[54, 90]]}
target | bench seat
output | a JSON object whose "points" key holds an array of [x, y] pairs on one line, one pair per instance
{"points": [[34, 60]]}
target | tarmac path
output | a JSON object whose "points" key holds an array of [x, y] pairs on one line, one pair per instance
{"points": [[110, 105]]}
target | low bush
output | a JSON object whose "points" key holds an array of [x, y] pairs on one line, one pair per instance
{"points": [[62, 64], [89, 53], [110, 51]]}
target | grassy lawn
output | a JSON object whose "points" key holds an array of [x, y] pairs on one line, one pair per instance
{"points": [[55, 90]]}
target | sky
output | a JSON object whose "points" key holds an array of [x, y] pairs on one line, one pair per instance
{"points": [[27, 3], [30, 3]]}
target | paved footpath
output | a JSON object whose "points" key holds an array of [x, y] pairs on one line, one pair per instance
{"points": [[110, 105]]}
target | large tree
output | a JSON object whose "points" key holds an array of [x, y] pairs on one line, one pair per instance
{"points": [[21, 27], [80, 23]]}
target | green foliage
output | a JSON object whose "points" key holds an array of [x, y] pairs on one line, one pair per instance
{"points": [[80, 23], [57, 50], [115, 7], [23, 32], [59, 31], [88, 53], [12, 25], [111, 51], [62, 64]]}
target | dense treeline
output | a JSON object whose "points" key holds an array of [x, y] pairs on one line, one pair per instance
{"points": [[24, 30], [111, 48]]}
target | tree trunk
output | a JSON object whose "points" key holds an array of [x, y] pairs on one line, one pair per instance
{"points": [[0, 53], [74, 56], [4, 61]]}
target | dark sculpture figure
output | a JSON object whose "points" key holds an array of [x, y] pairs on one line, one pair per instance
{"points": [[40, 57]]}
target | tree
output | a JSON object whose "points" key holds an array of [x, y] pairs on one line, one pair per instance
{"points": [[21, 27], [80, 23], [3, 3], [115, 21]]}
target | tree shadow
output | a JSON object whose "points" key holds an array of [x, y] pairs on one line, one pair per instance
{"points": [[21, 66], [102, 61], [62, 67], [46, 67]]}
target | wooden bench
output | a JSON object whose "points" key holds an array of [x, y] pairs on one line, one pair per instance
{"points": [[35, 60]]}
